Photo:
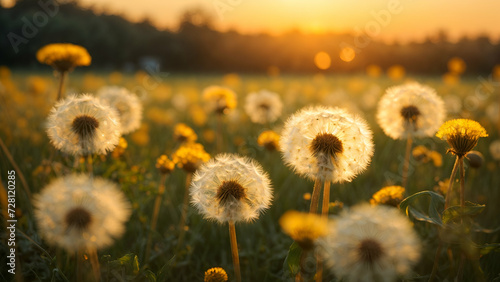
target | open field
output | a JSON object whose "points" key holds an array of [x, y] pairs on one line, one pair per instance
{"points": [[26, 99]]}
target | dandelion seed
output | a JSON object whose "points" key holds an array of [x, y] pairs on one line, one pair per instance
{"points": [[215, 274], [389, 195], [219, 99], [127, 104], [76, 212], [461, 134], [410, 110], [263, 106], [184, 133], [327, 144], [269, 140], [190, 156], [304, 228], [231, 188], [370, 243], [82, 125]]}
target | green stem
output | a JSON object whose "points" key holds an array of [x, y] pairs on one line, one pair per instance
{"points": [[156, 211], [450, 185], [62, 77], [406, 164], [234, 251], [185, 206]]}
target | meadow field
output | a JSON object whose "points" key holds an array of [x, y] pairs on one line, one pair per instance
{"points": [[170, 98]]}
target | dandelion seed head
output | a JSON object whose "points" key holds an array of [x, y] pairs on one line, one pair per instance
{"points": [[370, 243], [231, 188], [77, 212], [263, 106], [82, 125], [127, 104], [327, 144], [410, 109], [461, 134]]}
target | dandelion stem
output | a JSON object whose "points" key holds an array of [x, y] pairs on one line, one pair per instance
{"points": [[218, 134], [406, 164], [90, 168], [94, 262], [79, 267], [462, 183], [156, 211], [324, 213], [62, 77], [182, 223], [450, 185], [16, 168], [234, 251], [313, 208]]}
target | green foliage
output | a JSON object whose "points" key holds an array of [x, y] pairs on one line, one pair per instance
{"points": [[291, 266], [436, 203]]}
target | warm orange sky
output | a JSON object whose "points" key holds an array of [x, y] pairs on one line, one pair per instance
{"points": [[416, 18]]}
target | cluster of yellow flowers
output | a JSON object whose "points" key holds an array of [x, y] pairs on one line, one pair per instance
{"points": [[164, 164], [120, 148], [389, 195], [190, 156], [269, 140], [63, 57], [184, 133]]}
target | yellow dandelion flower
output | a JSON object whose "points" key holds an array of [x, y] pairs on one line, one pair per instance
{"points": [[190, 156], [219, 99], [215, 274], [120, 148], [420, 153], [164, 165], [436, 158], [63, 57], [304, 228], [184, 133], [461, 134], [269, 140], [390, 195]]}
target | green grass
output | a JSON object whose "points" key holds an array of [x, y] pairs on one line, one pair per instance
{"points": [[263, 246]]}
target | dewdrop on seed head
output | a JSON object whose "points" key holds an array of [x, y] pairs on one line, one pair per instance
{"points": [[231, 188], [82, 125], [76, 212], [410, 109], [127, 105], [370, 243], [326, 143]]}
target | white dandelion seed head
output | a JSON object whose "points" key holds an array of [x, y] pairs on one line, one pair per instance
{"points": [[370, 243], [263, 106], [302, 129], [82, 125], [127, 104], [231, 188], [410, 109], [76, 212]]}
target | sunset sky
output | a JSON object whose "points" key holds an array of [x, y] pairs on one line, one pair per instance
{"points": [[416, 19]]}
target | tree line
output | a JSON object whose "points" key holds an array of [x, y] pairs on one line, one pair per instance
{"points": [[115, 43]]}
